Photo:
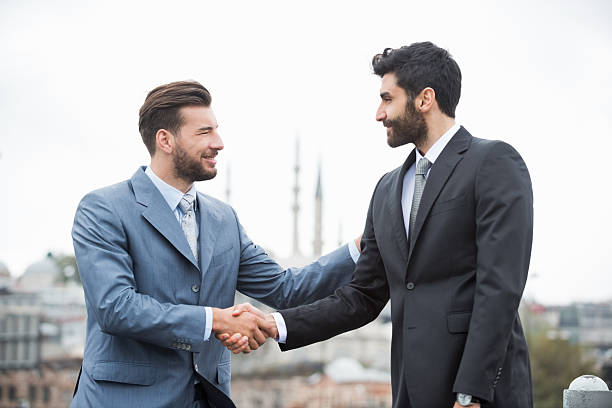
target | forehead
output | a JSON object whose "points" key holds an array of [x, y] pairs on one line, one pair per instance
{"points": [[198, 116], [389, 84]]}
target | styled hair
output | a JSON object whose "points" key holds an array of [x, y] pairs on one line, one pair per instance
{"points": [[421, 65], [161, 108]]}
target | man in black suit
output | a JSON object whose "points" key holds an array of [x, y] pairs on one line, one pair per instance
{"points": [[448, 240]]}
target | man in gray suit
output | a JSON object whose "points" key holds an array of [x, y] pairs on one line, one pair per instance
{"points": [[160, 263]]}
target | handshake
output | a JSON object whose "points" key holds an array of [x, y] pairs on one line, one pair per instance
{"points": [[242, 328]]}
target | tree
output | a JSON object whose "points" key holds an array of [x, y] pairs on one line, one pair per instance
{"points": [[68, 267], [555, 362]]}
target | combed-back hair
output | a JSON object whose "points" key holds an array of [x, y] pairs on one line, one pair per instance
{"points": [[421, 65], [160, 109]]}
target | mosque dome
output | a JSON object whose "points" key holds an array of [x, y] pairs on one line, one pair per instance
{"points": [[42, 274]]}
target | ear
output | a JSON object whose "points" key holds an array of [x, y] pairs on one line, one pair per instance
{"points": [[164, 141], [426, 100]]}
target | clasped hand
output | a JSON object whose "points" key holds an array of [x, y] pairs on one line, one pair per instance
{"points": [[243, 327]]}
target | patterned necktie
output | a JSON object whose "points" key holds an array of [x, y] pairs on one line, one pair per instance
{"points": [[419, 185], [188, 223]]}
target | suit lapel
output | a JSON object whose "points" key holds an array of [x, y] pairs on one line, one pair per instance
{"points": [[438, 176], [395, 205], [210, 222], [159, 215]]}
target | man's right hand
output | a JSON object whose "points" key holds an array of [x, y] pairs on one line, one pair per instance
{"points": [[247, 325], [241, 341]]}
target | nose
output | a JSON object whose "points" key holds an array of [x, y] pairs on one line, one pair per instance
{"points": [[217, 143], [381, 114]]}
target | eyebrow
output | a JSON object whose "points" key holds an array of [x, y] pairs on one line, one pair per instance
{"points": [[383, 94], [206, 128]]}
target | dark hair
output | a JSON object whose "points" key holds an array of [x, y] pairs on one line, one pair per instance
{"points": [[160, 109], [421, 65]]}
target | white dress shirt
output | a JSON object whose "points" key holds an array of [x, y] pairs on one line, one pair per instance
{"points": [[407, 193], [173, 197], [409, 178]]}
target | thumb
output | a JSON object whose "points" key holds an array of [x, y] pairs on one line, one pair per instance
{"points": [[241, 308]]}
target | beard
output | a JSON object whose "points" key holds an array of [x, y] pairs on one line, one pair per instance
{"points": [[190, 169], [408, 128]]}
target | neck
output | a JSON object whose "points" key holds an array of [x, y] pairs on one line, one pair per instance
{"points": [[165, 171], [435, 130]]}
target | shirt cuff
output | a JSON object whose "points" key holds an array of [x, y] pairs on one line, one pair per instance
{"points": [[353, 250], [281, 327], [209, 321]]}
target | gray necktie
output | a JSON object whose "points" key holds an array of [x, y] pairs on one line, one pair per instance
{"points": [[419, 185], [188, 223]]}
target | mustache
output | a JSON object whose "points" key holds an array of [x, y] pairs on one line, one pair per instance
{"points": [[389, 122]]}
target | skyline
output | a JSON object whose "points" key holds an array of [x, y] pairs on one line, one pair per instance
{"points": [[74, 74]]}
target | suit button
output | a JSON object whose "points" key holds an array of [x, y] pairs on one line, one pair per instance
{"points": [[195, 288], [410, 286]]}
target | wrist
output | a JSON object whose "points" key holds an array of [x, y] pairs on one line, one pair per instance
{"points": [[273, 328], [218, 320]]}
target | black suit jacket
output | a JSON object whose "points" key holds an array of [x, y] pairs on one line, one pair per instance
{"points": [[455, 287]]}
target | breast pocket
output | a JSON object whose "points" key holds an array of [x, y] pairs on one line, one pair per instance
{"points": [[223, 256], [448, 204]]}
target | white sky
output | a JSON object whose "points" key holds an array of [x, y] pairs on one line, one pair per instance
{"points": [[535, 74]]}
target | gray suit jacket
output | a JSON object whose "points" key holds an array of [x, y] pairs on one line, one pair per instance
{"points": [[145, 294]]}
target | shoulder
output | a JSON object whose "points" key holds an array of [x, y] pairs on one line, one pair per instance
{"points": [[488, 147], [386, 182], [109, 194], [216, 206]]}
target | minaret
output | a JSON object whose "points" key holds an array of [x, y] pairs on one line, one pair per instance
{"points": [[318, 232], [296, 203]]}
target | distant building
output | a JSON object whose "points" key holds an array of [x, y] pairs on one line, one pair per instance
{"points": [[42, 334], [5, 276], [40, 275], [19, 337], [344, 383]]}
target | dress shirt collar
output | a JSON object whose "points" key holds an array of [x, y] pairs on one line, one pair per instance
{"points": [[435, 150], [172, 195]]}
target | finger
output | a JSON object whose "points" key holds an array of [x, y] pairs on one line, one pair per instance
{"points": [[235, 342], [245, 349], [222, 336], [253, 344], [259, 337], [232, 340], [241, 308], [238, 344]]}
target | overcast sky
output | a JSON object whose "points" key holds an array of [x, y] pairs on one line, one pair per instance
{"points": [[73, 75]]}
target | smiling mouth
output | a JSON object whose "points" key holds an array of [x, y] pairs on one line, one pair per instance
{"points": [[209, 156]]}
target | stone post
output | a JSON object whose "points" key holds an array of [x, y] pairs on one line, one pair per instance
{"points": [[587, 391]]}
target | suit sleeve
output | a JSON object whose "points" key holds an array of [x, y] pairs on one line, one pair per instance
{"points": [[260, 277], [106, 269], [504, 228], [350, 307]]}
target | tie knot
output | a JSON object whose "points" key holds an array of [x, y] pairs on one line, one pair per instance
{"points": [[422, 166], [186, 203]]}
